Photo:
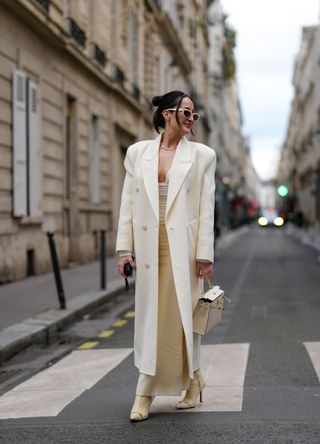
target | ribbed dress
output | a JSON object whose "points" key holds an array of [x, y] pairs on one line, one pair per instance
{"points": [[172, 369]]}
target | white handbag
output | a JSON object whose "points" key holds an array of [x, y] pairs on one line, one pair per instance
{"points": [[209, 309]]}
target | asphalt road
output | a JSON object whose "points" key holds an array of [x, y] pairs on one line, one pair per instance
{"points": [[262, 364]]}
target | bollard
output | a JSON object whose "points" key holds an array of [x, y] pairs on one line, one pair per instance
{"points": [[103, 272], [56, 270]]}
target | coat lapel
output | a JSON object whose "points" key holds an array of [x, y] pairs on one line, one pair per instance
{"points": [[180, 167], [150, 173]]}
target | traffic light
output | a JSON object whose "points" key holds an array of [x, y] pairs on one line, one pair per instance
{"points": [[282, 190]]}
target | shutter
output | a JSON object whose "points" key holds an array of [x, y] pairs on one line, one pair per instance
{"points": [[19, 145], [95, 161], [33, 150]]}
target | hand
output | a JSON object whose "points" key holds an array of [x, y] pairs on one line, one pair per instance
{"points": [[204, 270], [122, 260]]}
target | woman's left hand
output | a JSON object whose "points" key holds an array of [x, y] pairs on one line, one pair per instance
{"points": [[204, 270]]}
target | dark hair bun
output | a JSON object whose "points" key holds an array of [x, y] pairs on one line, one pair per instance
{"points": [[156, 100]]}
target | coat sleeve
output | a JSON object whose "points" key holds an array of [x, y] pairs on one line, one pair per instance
{"points": [[125, 228], [206, 216]]}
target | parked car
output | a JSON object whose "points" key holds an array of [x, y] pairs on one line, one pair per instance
{"points": [[270, 218]]}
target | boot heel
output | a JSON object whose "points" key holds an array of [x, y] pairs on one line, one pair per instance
{"points": [[201, 396]]}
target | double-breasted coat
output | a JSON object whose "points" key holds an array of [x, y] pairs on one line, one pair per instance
{"points": [[189, 224]]}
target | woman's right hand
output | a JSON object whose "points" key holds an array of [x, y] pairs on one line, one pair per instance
{"points": [[122, 260]]}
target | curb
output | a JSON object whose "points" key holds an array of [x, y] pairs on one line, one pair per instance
{"points": [[44, 327]]}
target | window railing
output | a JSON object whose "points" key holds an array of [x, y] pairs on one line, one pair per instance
{"points": [[45, 4], [119, 75], [76, 32], [99, 55], [136, 92]]}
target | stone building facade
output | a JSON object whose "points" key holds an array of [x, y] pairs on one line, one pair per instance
{"points": [[76, 80], [238, 185], [299, 166]]}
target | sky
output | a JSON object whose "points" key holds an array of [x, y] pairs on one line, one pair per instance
{"points": [[268, 40]]}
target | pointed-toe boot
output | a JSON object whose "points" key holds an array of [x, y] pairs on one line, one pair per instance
{"points": [[194, 391], [140, 408]]}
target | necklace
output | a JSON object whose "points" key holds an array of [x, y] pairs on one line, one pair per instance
{"points": [[166, 149]]}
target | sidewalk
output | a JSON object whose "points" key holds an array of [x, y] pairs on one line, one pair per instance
{"points": [[307, 236], [29, 308]]}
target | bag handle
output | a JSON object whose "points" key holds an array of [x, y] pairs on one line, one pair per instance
{"points": [[210, 285]]}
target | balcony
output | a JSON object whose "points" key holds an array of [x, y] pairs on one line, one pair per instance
{"points": [[45, 4], [119, 75], [158, 3], [136, 92], [99, 55], [76, 32]]}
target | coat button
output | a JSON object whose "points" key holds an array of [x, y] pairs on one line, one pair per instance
{"points": [[188, 190], [147, 265], [144, 227]]}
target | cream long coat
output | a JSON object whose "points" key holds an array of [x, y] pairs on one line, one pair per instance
{"points": [[189, 223]]}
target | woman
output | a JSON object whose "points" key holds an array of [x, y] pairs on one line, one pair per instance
{"points": [[166, 222]]}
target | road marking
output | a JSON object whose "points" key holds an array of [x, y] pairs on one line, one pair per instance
{"points": [[223, 367], [105, 333], [51, 390], [129, 314], [120, 323], [87, 345], [313, 349]]}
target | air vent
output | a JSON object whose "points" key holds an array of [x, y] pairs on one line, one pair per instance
{"points": [[34, 100], [21, 90]]}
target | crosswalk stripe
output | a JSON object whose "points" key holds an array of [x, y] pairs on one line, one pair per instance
{"points": [[313, 349], [224, 368], [49, 391]]}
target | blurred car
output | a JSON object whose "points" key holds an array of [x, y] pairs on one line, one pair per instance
{"points": [[270, 218]]}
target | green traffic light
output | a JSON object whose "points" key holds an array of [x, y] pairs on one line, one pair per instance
{"points": [[282, 190]]}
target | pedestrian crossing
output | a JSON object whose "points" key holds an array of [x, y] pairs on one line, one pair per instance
{"points": [[313, 349], [224, 368], [47, 393]]}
